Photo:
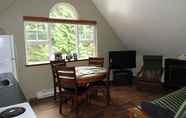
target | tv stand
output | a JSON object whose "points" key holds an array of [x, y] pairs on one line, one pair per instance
{"points": [[122, 77]]}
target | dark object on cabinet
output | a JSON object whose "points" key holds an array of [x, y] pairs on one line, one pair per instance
{"points": [[175, 73], [121, 64], [122, 77], [122, 59]]}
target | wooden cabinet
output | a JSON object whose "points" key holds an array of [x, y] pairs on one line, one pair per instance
{"points": [[175, 73], [122, 77]]}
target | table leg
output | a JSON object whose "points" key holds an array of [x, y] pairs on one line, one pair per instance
{"points": [[108, 92]]}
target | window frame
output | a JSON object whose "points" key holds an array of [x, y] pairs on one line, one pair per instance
{"points": [[49, 41], [53, 18]]}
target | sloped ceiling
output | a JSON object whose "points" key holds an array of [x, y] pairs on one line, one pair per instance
{"points": [[5, 4], [149, 26]]}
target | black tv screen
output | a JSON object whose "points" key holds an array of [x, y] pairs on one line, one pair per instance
{"points": [[122, 59]]}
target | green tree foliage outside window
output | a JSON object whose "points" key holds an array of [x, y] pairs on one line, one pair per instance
{"points": [[37, 53], [63, 38]]}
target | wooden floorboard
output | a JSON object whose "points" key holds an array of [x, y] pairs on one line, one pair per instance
{"points": [[122, 98]]}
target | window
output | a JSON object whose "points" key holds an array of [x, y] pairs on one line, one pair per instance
{"points": [[37, 42], [63, 11], [66, 34]]}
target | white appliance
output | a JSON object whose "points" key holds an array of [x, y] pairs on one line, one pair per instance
{"points": [[28, 110], [7, 54]]}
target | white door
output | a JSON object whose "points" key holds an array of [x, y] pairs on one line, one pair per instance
{"points": [[7, 55]]}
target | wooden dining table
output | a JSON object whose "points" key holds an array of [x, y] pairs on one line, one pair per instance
{"points": [[88, 74]]}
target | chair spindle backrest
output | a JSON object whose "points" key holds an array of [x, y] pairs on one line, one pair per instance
{"points": [[56, 63], [66, 77]]}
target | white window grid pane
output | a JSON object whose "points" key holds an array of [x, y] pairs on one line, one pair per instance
{"points": [[38, 33], [92, 39], [35, 42], [30, 23], [51, 55], [87, 34], [31, 35], [77, 41], [95, 41]]}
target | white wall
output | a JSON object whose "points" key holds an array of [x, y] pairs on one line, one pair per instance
{"points": [[34, 79], [149, 26]]}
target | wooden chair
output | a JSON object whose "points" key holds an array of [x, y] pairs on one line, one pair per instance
{"points": [[53, 64], [96, 61], [150, 73], [68, 87], [99, 86]]}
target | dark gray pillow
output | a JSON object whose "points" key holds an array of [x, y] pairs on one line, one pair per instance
{"points": [[156, 111]]}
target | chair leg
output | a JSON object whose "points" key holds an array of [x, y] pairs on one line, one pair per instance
{"points": [[104, 94], [87, 98], [60, 105], [55, 96], [55, 91], [108, 94], [76, 105]]}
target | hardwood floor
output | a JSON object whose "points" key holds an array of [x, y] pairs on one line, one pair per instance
{"points": [[121, 99]]}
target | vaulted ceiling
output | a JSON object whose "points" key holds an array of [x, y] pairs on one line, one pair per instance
{"points": [[149, 26], [5, 4]]}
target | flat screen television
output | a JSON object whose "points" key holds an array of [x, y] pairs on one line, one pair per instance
{"points": [[122, 59]]}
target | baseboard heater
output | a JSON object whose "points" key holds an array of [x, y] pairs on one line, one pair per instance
{"points": [[44, 93]]}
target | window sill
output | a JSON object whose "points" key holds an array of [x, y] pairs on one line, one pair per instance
{"points": [[47, 63]]}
